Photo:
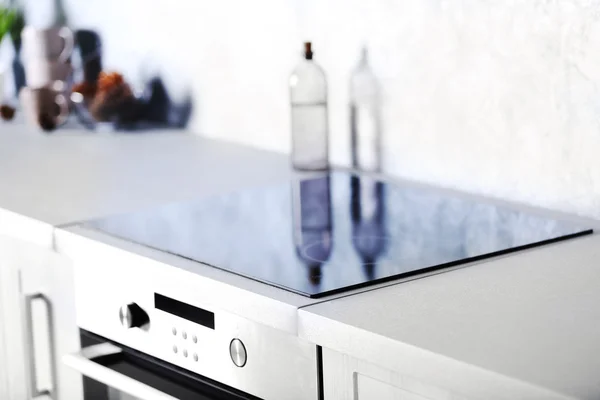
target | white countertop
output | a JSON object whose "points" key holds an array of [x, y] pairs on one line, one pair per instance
{"points": [[531, 318], [72, 175]]}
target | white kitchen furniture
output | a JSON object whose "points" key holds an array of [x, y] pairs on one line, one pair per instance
{"points": [[31, 274], [73, 176], [38, 317], [524, 326]]}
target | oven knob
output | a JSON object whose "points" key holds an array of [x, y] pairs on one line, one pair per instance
{"points": [[132, 316], [237, 351]]}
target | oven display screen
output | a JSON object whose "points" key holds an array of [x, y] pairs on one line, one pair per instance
{"points": [[185, 311]]}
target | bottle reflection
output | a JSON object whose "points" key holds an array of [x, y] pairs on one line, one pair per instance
{"points": [[313, 228], [368, 221]]}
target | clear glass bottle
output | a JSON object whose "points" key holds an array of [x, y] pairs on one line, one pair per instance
{"points": [[365, 117], [310, 126]]}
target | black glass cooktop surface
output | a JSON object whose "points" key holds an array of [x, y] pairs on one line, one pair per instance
{"points": [[335, 232]]}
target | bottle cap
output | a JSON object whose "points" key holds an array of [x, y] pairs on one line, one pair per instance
{"points": [[308, 53]]}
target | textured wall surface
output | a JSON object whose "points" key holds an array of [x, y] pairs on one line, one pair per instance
{"points": [[490, 96]]}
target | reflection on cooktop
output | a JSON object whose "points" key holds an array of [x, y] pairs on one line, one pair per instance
{"points": [[335, 232]]}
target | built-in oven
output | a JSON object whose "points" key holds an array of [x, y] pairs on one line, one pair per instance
{"points": [[155, 331], [173, 347], [114, 372]]}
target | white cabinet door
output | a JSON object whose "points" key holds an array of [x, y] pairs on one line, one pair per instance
{"points": [[3, 356], [38, 322], [345, 378]]}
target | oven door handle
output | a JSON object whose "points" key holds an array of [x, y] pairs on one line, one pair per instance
{"points": [[84, 364]]}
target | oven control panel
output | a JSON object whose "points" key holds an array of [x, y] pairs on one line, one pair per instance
{"points": [[189, 324], [174, 319], [184, 342]]}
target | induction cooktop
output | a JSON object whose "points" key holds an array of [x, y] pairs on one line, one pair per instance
{"points": [[335, 232]]}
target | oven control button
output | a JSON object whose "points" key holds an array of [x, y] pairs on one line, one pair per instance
{"points": [[237, 351], [132, 316]]}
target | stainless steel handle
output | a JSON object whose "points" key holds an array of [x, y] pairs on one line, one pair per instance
{"points": [[83, 363], [34, 389]]}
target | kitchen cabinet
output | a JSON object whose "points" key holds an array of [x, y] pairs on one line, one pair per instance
{"points": [[345, 377], [502, 329], [3, 356], [38, 322]]}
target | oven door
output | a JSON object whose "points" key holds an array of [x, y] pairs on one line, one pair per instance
{"points": [[111, 372]]}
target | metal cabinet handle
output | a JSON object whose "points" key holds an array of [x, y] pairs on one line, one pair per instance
{"points": [[84, 364], [34, 389]]}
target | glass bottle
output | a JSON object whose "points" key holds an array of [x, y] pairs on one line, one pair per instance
{"points": [[365, 123], [310, 126]]}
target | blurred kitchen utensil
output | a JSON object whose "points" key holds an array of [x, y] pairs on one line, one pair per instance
{"points": [[39, 73], [45, 107], [108, 104], [52, 44], [46, 54], [87, 56]]}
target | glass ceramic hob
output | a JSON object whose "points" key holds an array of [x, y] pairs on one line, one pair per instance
{"points": [[335, 232]]}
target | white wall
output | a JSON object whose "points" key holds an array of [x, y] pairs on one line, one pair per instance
{"points": [[491, 96]]}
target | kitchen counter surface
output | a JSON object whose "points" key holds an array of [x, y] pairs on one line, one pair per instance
{"points": [[531, 319], [74, 175], [517, 323]]}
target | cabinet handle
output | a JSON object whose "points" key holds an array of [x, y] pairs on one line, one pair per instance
{"points": [[84, 363], [34, 388]]}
